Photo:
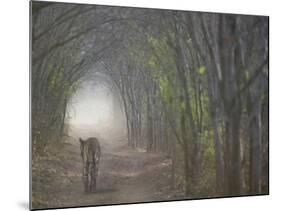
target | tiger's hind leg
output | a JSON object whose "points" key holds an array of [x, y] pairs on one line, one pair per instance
{"points": [[94, 175]]}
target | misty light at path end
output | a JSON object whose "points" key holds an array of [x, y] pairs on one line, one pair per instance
{"points": [[91, 105], [95, 111]]}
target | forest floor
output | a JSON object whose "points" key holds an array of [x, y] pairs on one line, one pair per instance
{"points": [[126, 176]]}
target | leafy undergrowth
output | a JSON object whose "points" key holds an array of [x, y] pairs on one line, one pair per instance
{"points": [[51, 173]]}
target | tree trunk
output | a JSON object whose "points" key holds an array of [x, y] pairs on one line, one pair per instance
{"points": [[218, 151], [255, 146]]}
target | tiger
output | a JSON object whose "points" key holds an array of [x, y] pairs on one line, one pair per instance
{"points": [[90, 153]]}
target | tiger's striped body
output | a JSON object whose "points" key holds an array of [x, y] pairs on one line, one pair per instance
{"points": [[90, 153]]}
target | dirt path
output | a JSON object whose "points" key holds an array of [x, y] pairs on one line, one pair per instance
{"points": [[125, 176]]}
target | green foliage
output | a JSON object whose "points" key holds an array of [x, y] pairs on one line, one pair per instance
{"points": [[161, 56], [58, 85], [206, 182], [135, 55], [73, 88], [165, 90], [152, 62], [55, 79], [201, 70], [182, 106], [160, 62]]}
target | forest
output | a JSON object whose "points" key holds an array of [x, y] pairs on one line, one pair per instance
{"points": [[191, 93]]}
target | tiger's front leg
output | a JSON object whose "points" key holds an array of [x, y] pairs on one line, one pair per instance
{"points": [[86, 177], [94, 172]]}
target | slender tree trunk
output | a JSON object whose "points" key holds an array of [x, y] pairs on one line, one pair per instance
{"points": [[235, 179], [255, 147], [149, 126], [218, 151], [173, 165]]}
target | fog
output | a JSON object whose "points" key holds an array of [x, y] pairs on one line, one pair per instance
{"points": [[95, 111]]}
